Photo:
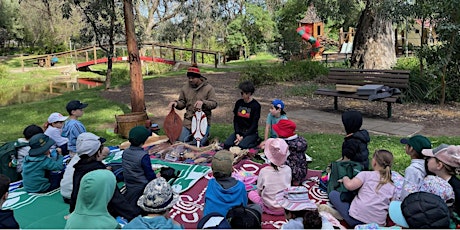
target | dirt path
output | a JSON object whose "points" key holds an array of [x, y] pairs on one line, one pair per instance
{"points": [[437, 120]]}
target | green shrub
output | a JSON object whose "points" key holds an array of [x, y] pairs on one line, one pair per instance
{"points": [[278, 72], [155, 68]]}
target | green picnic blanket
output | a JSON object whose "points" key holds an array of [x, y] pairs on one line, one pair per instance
{"points": [[47, 210]]}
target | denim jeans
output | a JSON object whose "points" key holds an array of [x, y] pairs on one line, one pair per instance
{"points": [[187, 137]]}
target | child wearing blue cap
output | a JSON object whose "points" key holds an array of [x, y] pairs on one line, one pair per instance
{"points": [[276, 114]]}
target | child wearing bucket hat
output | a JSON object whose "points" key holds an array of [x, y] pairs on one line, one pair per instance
{"points": [[91, 152], [444, 161], [298, 158], [275, 114], [295, 202], [273, 178], [415, 172], [37, 165], [23, 144], [137, 169], [157, 200], [53, 128], [223, 190]]}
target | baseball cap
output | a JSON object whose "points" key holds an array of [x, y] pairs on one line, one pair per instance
{"points": [[88, 143], [222, 162], [277, 103], [55, 117], [448, 154], [418, 142], [74, 105]]}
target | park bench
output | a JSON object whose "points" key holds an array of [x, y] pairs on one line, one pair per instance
{"points": [[353, 78]]}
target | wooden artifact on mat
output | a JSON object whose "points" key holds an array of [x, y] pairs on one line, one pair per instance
{"points": [[172, 126], [199, 126]]}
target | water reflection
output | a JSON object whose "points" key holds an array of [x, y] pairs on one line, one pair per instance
{"points": [[31, 93]]}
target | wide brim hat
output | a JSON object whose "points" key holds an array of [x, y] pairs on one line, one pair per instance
{"points": [[39, 144], [158, 196], [295, 198], [276, 150]]}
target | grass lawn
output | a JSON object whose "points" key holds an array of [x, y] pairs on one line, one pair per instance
{"points": [[99, 118]]}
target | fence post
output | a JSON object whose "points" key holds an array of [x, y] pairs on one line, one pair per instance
{"points": [[95, 55]]}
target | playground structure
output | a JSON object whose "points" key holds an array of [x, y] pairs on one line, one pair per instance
{"points": [[157, 52]]}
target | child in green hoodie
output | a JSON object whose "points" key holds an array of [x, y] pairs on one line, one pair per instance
{"points": [[96, 190]]}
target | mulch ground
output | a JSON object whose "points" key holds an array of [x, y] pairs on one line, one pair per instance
{"points": [[437, 120]]}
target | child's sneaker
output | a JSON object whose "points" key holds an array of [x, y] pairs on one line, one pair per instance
{"points": [[308, 158]]}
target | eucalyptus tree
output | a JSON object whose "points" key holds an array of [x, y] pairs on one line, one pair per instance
{"points": [[373, 44], [106, 26]]}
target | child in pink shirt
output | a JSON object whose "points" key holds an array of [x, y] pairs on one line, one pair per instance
{"points": [[273, 178], [376, 189]]}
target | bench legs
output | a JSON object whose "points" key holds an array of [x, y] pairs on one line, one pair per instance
{"points": [[388, 109], [336, 107]]}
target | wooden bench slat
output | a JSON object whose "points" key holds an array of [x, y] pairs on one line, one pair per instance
{"points": [[328, 92], [392, 78]]}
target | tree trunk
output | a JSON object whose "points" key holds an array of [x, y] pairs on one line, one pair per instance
{"points": [[373, 46], [135, 71]]}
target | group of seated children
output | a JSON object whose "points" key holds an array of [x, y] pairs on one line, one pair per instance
{"points": [[89, 187]]}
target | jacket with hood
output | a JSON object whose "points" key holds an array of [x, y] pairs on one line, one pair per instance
{"points": [[95, 192], [159, 222], [34, 171], [354, 145], [72, 128], [117, 206], [219, 199], [188, 97]]}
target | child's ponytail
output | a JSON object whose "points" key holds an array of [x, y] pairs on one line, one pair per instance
{"points": [[384, 158]]}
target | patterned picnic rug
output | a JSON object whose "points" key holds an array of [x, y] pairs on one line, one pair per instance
{"points": [[189, 210], [48, 210]]}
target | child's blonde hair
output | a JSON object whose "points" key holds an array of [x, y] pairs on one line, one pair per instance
{"points": [[384, 158]]}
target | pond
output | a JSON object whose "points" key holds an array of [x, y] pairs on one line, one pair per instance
{"points": [[30, 93]]}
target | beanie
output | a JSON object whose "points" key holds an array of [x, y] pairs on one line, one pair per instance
{"points": [[193, 71], [138, 135]]}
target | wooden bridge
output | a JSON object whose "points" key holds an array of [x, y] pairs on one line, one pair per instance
{"points": [[161, 53]]}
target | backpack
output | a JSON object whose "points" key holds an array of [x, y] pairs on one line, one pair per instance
{"points": [[8, 159], [339, 169]]}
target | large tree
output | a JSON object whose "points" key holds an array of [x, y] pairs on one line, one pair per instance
{"points": [[135, 71], [373, 45]]}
